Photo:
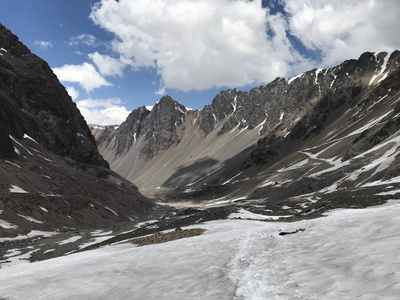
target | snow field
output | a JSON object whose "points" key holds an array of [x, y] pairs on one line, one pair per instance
{"points": [[349, 254]]}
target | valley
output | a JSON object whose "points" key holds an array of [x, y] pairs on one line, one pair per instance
{"points": [[287, 191]]}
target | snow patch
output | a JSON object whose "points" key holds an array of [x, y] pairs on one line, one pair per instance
{"points": [[245, 214], [30, 219], [234, 104], [333, 81], [7, 225], [382, 182], [369, 125], [49, 251], [15, 141], [9, 162], [17, 151], [392, 192], [29, 138], [50, 194], [229, 180], [381, 74], [33, 233], [101, 233], [294, 78], [70, 240], [316, 75], [109, 209], [17, 189], [42, 208], [46, 159], [261, 126]]}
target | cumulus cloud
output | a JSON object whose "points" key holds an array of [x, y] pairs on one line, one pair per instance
{"points": [[103, 111], [199, 44], [344, 29], [43, 44], [85, 74], [109, 66], [74, 94], [84, 38]]}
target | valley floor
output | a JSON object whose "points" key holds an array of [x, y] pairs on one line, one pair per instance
{"points": [[347, 254]]}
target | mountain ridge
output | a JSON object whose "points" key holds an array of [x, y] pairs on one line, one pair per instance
{"points": [[238, 130]]}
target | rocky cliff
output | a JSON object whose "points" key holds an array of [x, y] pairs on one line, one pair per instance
{"points": [[33, 102], [52, 175]]}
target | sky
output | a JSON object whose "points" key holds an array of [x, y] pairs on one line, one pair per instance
{"points": [[114, 56]]}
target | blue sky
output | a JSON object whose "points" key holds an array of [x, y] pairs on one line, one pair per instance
{"points": [[113, 56]]}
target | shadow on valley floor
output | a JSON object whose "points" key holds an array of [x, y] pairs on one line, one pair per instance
{"points": [[188, 175], [204, 178]]}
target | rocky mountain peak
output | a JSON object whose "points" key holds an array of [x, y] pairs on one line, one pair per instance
{"points": [[35, 103], [10, 43], [157, 129], [52, 175]]}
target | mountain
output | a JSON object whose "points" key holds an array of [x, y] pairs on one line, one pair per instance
{"points": [[53, 176], [320, 134]]}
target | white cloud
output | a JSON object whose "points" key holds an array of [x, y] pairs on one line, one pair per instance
{"points": [[86, 39], [199, 44], [109, 66], [85, 74], [103, 111], [203, 44], [43, 44], [74, 94], [344, 29]]}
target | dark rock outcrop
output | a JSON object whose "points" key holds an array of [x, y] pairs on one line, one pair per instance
{"points": [[52, 175], [326, 94], [33, 102], [159, 129]]}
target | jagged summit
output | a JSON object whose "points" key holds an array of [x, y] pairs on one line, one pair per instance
{"points": [[11, 44]]}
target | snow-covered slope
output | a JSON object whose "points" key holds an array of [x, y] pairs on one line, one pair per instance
{"points": [[349, 254]]}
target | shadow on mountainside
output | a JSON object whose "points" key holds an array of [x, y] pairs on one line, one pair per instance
{"points": [[204, 178], [189, 174]]}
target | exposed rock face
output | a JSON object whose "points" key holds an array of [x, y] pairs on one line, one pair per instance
{"points": [[196, 152], [33, 102], [6, 146], [159, 129], [52, 175]]}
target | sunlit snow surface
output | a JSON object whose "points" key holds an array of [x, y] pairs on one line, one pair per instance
{"points": [[350, 254]]}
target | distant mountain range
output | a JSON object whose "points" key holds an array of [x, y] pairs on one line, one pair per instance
{"points": [[320, 134]]}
